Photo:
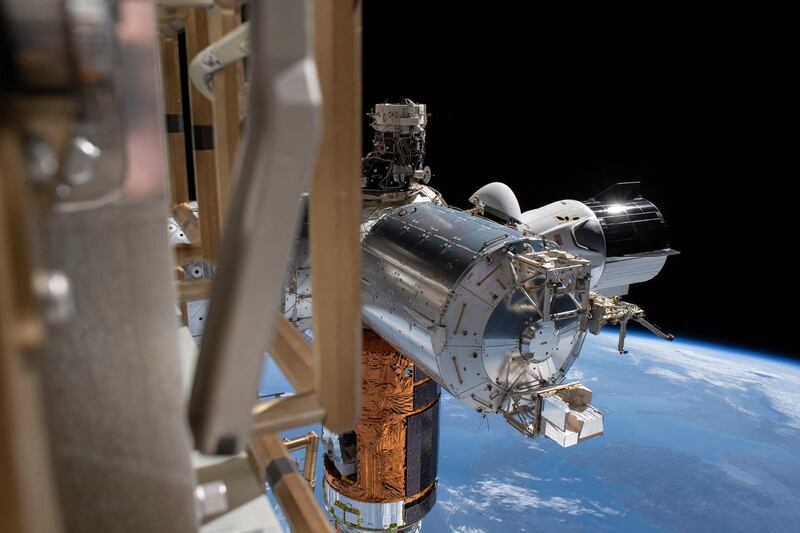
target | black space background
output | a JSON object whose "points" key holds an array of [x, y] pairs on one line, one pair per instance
{"points": [[558, 108]]}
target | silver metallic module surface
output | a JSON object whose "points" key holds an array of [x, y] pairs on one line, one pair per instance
{"points": [[488, 312]]}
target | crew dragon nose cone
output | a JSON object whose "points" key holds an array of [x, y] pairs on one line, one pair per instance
{"points": [[499, 200]]}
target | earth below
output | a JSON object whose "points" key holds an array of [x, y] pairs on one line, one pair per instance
{"points": [[697, 438]]}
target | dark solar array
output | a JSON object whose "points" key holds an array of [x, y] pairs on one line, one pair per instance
{"points": [[425, 393], [417, 510], [422, 448]]}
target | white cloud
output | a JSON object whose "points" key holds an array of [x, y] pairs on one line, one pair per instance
{"points": [[499, 493], [492, 494], [534, 445], [778, 382], [576, 374], [525, 475], [667, 374]]}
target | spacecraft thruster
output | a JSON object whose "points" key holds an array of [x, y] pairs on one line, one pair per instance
{"points": [[492, 304]]}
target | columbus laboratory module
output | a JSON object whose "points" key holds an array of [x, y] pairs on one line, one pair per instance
{"points": [[492, 304]]}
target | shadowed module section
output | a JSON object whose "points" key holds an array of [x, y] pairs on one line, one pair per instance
{"points": [[382, 476]]}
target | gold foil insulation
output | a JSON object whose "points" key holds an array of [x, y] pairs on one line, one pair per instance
{"points": [[387, 400]]}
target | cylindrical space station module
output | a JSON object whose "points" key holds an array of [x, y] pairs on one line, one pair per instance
{"points": [[491, 313], [491, 304], [382, 476]]}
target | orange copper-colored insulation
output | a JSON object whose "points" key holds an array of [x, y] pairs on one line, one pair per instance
{"points": [[388, 398]]}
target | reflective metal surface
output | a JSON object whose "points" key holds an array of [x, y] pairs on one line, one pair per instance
{"points": [[489, 313], [356, 516]]}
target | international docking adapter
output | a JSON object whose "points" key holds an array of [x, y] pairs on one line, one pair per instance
{"points": [[493, 304]]}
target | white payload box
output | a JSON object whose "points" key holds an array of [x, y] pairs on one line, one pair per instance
{"points": [[567, 415]]}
